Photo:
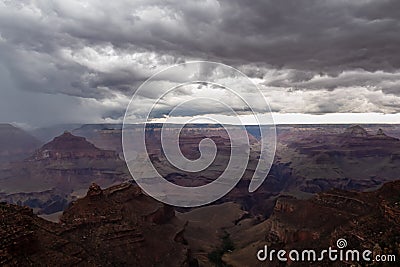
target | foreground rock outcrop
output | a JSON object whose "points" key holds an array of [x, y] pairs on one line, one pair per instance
{"points": [[367, 220], [118, 226]]}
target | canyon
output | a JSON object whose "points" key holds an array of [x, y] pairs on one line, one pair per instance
{"points": [[59, 172], [327, 182], [118, 226]]}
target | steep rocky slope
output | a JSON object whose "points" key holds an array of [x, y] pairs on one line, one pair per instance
{"points": [[368, 220], [118, 226], [58, 172], [104, 136]]}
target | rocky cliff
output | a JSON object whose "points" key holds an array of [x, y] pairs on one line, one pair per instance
{"points": [[354, 158], [60, 171], [68, 147], [118, 226], [366, 220]]}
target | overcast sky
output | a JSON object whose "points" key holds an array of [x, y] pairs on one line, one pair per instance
{"points": [[80, 61]]}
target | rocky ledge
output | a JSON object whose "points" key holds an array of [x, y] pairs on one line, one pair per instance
{"points": [[116, 226]]}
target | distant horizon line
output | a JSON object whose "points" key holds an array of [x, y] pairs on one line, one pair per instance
{"points": [[200, 123], [281, 119]]}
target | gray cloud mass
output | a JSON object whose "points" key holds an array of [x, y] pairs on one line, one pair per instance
{"points": [[308, 56]]}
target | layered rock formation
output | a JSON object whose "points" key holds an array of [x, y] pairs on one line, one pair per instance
{"points": [[326, 158], [104, 136], [60, 171], [118, 226], [69, 147], [366, 220]]}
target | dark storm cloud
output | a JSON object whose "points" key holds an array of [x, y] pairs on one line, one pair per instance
{"points": [[318, 35], [378, 80], [104, 49]]}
